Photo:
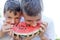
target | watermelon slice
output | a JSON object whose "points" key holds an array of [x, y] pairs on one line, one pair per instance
{"points": [[23, 29]]}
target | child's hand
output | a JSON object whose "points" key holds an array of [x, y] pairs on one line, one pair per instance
{"points": [[16, 37], [43, 29], [27, 38], [6, 28]]}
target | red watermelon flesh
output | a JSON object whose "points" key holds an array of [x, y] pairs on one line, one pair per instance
{"points": [[22, 29]]}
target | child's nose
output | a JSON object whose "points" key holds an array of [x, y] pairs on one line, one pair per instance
{"points": [[12, 22], [34, 24]]}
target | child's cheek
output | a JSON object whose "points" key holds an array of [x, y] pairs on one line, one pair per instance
{"points": [[16, 21], [38, 21], [28, 23], [8, 21]]}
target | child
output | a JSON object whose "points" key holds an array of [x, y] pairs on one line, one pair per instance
{"points": [[32, 14], [12, 14]]}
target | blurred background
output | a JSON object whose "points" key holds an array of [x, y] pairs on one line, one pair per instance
{"points": [[51, 9]]}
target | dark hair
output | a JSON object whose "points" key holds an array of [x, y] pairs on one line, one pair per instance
{"points": [[32, 7], [12, 6], [12, 0]]}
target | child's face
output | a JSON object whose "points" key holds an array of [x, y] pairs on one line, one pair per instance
{"points": [[32, 20], [12, 18]]}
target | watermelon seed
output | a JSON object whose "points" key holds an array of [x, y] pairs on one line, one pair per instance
{"points": [[15, 34], [35, 33], [30, 35]]}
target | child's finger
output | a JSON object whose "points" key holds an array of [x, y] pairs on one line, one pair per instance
{"points": [[9, 26], [6, 22], [44, 23], [43, 27], [41, 30], [6, 30]]}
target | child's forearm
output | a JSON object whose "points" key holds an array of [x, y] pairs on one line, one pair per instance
{"points": [[27, 39], [43, 38], [1, 34]]}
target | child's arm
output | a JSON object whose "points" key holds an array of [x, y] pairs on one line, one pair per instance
{"points": [[6, 28], [1, 34], [43, 29]]}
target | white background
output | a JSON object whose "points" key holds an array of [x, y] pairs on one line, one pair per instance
{"points": [[52, 10]]}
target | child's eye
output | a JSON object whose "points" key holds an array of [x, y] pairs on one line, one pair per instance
{"points": [[38, 20], [17, 18], [9, 17], [29, 20]]}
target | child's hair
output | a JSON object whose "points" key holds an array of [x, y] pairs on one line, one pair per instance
{"points": [[32, 7], [12, 6]]}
